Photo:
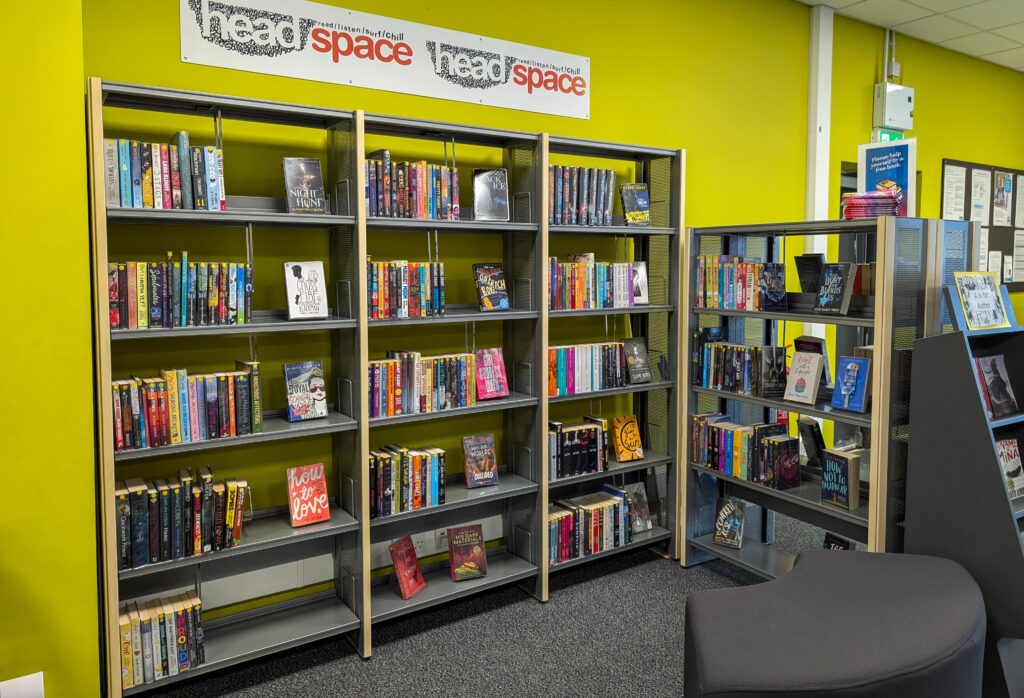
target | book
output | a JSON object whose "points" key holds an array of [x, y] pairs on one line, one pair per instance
{"points": [[306, 288], [853, 384], [490, 286], [637, 366], [636, 203], [729, 522], [1009, 456], [815, 345], [491, 379], [982, 300], [804, 378], [639, 511], [834, 542], [308, 502], [641, 294], [772, 288], [304, 185], [582, 283], [835, 290], [481, 463], [626, 439], [840, 479], [995, 386], [490, 195], [306, 388], [408, 575], [808, 270], [812, 439], [467, 555], [773, 372]]}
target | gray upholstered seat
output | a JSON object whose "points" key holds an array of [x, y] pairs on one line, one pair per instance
{"points": [[841, 624]]}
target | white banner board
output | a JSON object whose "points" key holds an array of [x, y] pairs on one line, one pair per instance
{"points": [[320, 42]]}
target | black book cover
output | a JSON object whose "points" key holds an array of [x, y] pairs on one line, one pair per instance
{"points": [[304, 185], [153, 502], [189, 287], [213, 295], [808, 270], [490, 286], [636, 360], [123, 505], [175, 308], [243, 405], [122, 295], [772, 288], [199, 178], [202, 292], [177, 521], [187, 509], [490, 195], [773, 372], [218, 515], [164, 495], [223, 407], [206, 525], [636, 203], [835, 290]]}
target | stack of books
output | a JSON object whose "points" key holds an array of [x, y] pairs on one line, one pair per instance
{"points": [[870, 204]]}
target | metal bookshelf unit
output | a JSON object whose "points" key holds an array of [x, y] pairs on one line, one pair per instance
{"points": [[656, 404], [912, 257], [353, 599]]}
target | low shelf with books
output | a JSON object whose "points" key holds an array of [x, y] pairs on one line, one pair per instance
{"points": [[639, 540], [746, 371], [262, 322]]}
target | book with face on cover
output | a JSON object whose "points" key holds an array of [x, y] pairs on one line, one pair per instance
{"points": [[306, 287], [1009, 457], [637, 365], [306, 387], [804, 377], [995, 386], [480, 461]]}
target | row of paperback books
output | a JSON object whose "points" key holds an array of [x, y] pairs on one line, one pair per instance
{"points": [[410, 189], [161, 175], [175, 408], [579, 449], [176, 517], [584, 284], [761, 453], [759, 371], [405, 479], [178, 293], [580, 195], [732, 283], [410, 383], [590, 524], [404, 289], [160, 637], [585, 368]]}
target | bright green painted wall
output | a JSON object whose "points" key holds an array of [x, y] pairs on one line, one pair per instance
{"points": [[48, 583]]}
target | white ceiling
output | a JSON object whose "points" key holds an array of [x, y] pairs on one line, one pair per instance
{"points": [[992, 30]]}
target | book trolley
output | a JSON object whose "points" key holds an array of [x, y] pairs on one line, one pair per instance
{"points": [[913, 258], [336, 591]]}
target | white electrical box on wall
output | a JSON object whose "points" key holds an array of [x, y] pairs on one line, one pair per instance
{"points": [[894, 106]]}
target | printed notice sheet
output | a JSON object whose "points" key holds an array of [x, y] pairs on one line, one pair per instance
{"points": [[1018, 256], [981, 196], [954, 191], [1002, 199], [983, 250]]}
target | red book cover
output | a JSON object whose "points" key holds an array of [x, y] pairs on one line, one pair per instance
{"points": [[407, 568], [491, 380], [467, 557], [308, 502]]}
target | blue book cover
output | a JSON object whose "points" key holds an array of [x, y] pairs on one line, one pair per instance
{"points": [[136, 156], [182, 309], [124, 166], [242, 318], [852, 381], [435, 486], [183, 410], [232, 293], [212, 180], [306, 387], [201, 406]]}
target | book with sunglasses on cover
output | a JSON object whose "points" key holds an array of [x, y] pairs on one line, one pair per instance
{"points": [[306, 386]]}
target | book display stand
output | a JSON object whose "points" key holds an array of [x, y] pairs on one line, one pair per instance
{"points": [[336, 591]]}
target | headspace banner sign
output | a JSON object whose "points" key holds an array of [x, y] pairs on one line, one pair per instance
{"points": [[319, 42]]}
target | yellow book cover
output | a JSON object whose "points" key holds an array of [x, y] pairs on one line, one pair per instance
{"points": [[142, 292], [471, 379], [173, 404], [136, 622], [146, 153], [626, 439], [229, 510], [156, 613], [124, 630]]}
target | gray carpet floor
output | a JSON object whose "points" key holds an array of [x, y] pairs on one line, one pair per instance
{"points": [[613, 627]]}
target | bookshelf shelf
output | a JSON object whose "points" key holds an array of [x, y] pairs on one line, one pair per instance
{"points": [[592, 312], [626, 390], [520, 500], [502, 568], [258, 534], [275, 428], [757, 557], [905, 304], [457, 496], [1007, 421], [262, 634], [614, 230], [822, 318], [458, 314], [640, 540], [804, 500], [264, 322], [150, 216], [415, 224], [651, 461], [513, 401], [821, 409]]}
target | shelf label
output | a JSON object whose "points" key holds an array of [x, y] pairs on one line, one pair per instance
{"points": [[313, 41]]}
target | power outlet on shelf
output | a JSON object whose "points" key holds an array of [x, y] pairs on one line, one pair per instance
{"points": [[441, 539]]}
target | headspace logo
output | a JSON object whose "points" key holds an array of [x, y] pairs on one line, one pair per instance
{"points": [[473, 68], [249, 31]]}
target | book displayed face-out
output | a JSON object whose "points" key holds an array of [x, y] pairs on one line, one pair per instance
{"points": [[982, 299]]}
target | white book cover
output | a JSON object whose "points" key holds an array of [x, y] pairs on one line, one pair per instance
{"points": [[111, 174], [158, 176], [804, 376], [640, 293], [306, 287]]}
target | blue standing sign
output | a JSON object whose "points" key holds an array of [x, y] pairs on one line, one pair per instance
{"points": [[890, 165]]}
